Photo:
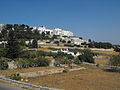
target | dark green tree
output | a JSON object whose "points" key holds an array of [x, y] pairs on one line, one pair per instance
{"points": [[2, 52], [34, 44], [115, 60], [13, 46], [3, 63], [87, 56]]}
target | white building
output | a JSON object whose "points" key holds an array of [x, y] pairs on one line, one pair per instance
{"points": [[77, 41], [58, 31], [67, 52], [45, 30]]}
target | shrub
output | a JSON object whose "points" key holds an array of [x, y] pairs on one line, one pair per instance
{"points": [[41, 62], [15, 77], [87, 56], [28, 54], [65, 71], [77, 61], [97, 65], [117, 49], [115, 60], [34, 44], [2, 52], [3, 63], [22, 63]]}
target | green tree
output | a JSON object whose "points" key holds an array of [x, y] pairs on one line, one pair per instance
{"points": [[41, 62], [13, 46], [34, 44], [22, 63], [3, 63], [63, 41], [2, 52], [87, 56], [69, 42], [115, 60], [77, 61], [28, 54]]}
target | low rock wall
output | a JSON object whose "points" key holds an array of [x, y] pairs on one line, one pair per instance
{"points": [[41, 73]]}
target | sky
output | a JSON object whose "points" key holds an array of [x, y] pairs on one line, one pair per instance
{"points": [[98, 20]]}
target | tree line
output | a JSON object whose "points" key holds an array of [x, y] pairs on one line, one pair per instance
{"points": [[105, 45]]}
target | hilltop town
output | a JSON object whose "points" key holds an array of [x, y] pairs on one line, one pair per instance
{"points": [[59, 35], [48, 59]]}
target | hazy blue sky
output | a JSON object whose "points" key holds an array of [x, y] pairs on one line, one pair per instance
{"points": [[95, 19]]}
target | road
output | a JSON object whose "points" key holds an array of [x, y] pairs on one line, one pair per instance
{"points": [[5, 87]]}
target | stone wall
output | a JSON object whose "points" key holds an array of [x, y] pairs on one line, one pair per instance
{"points": [[40, 73]]}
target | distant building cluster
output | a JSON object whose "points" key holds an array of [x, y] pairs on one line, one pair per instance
{"points": [[65, 35], [55, 31]]}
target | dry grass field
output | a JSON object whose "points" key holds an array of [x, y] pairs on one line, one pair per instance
{"points": [[106, 52], [89, 79], [102, 61], [45, 49], [104, 57]]}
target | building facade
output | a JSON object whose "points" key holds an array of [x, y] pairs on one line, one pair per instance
{"points": [[55, 31]]}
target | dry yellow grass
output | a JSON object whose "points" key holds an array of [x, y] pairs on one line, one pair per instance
{"points": [[90, 79], [106, 52], [47, 45], [102, 61], [59, 46], [45, 49]]}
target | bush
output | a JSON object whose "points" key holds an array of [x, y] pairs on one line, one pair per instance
{"points": [[41, 62], [105, 45], [2, 52], [34, 44], [15, 77], [97, 65], [115, 60], [87, 56], [3, 63], [22, 63], [77, 61], [117, 49], [2, 45], [28, 54], [65, 71]]}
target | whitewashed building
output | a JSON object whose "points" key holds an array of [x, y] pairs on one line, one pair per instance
{"points": [[55, 31], [77, 41], [45, 30], [58, 31]]}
